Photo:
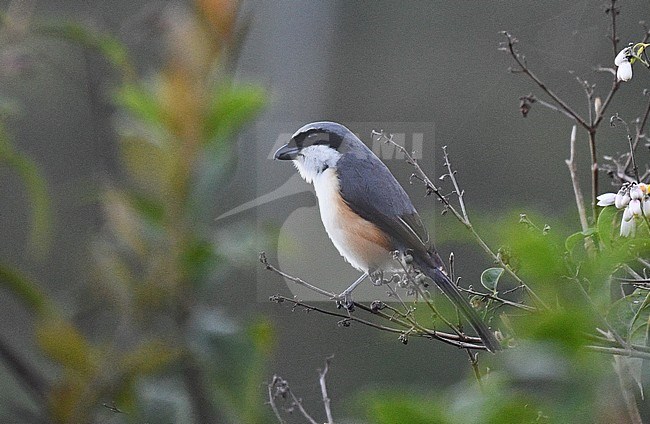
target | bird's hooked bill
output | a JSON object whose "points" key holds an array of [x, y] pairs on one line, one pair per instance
{"points": [[286, 152]]}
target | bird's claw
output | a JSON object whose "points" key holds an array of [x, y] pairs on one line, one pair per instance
{"points": [[344, 300]]}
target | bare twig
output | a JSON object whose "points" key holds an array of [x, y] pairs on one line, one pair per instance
{"points": [[635, 168], [613, 11], [618, 351], [639, 133], [298, 403], [523, 68], [273, 386], [610, 342], [279, 388], [473, 360], [571, 164], [594, 121], [407, 322], [533, 99], [433, 189], [452, 176], [323, 388], [594, 173], [296, 280], [463, 341], [498, 299]]}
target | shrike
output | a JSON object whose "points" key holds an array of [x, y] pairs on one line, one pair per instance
{"points": [[366, 212]]}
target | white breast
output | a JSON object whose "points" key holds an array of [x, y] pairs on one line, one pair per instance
{"points": [[360, 242]]}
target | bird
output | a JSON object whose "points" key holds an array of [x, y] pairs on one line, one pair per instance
{"points": [[367, 214]]}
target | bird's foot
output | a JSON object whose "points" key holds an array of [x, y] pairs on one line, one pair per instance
{"points": [[344, 300], [377, 278]]}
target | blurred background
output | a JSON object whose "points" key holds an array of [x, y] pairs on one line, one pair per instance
{"points": [[137, 188]]}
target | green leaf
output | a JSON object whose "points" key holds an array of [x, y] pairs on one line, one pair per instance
{"points": [[149, 357], [563, 327], [232, 107], [141, 103], [36, 188], [490, 278], [572, 241], [108, 46], [64, 344], [394, 408], [26, 290], [630, 314], [198, 259], [606, 225]]}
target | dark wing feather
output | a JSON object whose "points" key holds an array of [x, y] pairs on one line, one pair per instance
{"points": [[371, 190]]}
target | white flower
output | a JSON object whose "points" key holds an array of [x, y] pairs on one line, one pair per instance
{"points": [[606, 199], [622, 61], [636, 192], [624, 71], [635, 207], [622, 198], [627, 214], [628, 228], [634, 199], [623, 56]]}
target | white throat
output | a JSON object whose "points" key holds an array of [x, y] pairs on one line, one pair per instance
{"points": [[313, 160]]}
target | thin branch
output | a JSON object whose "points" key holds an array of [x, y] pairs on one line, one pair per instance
{"points": [[594, 173], [613, 11], [639, 132], [271, 386], [458, 340], [499, 299], [346, 317], [602, 318], [323, 388], [618, 351], [452, 176], [465, 342], [296, 280], [613, 343], [433, 189], [525, 70], [298, 402], [571, 164], [473, 360], [533, 99]]}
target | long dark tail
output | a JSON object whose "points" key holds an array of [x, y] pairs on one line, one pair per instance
{"points": [[452, 292]]}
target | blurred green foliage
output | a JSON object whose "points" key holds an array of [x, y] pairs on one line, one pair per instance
{"points": [[558, 367], [35, 184], [156, 256]]}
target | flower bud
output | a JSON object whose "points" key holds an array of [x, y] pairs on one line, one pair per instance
{"points": [[627, 214], [636, 192], [606, 199], [624, 71], [622, 56], [622, 199]]}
